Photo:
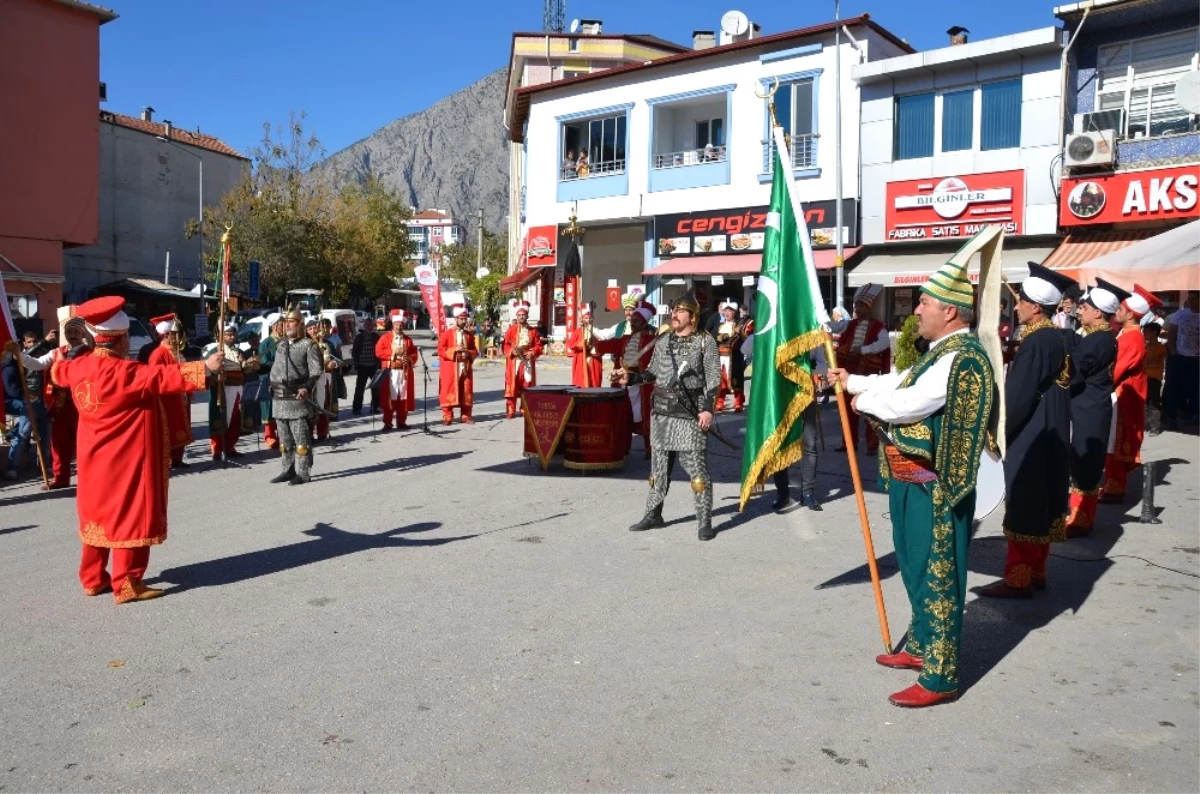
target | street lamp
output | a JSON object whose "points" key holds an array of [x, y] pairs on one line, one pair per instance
{"points": [[840, 275], [200, 160]]}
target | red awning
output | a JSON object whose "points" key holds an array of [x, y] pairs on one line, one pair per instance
{"points": [[1082, 247], [734, 264], [522, 278]]}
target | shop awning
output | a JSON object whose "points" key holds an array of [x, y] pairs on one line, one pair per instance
{"points": [[1169, 260], [733, 264], [147, 285], [522, 279], [1082, 247], [912, 270]]}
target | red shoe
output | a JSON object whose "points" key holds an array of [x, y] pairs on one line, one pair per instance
{"points": [[1001, 589], [918, 697], [900, 661], [466, 420]]}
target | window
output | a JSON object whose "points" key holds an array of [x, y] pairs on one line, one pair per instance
{"points": [[958, 121], [1000, 118], [23, 306], [711, 132], [1139, 77], [573, 45], [601, 139], [914, 126], [795, 110]]}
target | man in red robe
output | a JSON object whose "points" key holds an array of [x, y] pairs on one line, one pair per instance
{"points": [[864, 348], [176, 407], [585, 351], [123, 452], [397, 356], [633, 355], [456, 377], [1130, 389], [522, 346]]}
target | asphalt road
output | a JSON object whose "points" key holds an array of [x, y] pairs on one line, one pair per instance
{"points": [[432, 612]]}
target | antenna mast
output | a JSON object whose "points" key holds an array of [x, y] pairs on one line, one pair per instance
{"points": [[554, 16]]}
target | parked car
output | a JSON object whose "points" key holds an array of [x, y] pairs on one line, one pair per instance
{"points": [[138, 337], [346, 325]]}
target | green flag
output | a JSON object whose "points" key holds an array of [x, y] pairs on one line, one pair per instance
{"points": [[788, 320]]}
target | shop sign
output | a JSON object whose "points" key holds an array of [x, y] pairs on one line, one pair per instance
{"points": [[743, 230], [951, 207], [540, 249], [1158, 194]]}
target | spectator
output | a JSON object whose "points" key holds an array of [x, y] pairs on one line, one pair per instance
{"points": [[15, 405], [1183, 365], [710, 153], [568, 166], [365, 364], [1156, 361], [583, 167]]}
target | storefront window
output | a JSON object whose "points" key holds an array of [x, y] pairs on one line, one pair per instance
{"points": [[23, 306]]}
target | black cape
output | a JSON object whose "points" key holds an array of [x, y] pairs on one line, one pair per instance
{"points": [[1037, 425], [1091, 406]]}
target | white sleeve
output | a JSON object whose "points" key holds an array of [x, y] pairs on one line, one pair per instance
{"points": [[857, 384], [912, 404], [605, 334], [37, 364], [878, 346]]}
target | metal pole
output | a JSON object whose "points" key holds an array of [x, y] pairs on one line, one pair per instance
{"points": [[201, 265], [837, 145], [479, 257], [167, 269]]}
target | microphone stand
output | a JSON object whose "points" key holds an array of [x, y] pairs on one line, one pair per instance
{"points": [[371, 410], [425, 398]]}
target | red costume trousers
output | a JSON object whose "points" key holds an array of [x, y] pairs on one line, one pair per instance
{"points": [[1025, 565], [322, 427], [1116, 472], [226, 441], [1082, 511], [62, 442], [271, 434], [127, 564], [872, 439], [393, 409]]}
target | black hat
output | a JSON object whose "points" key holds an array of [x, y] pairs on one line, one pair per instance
{"points": [[1044, 286], [1074, 292], [687, 301], [1114, 289]]}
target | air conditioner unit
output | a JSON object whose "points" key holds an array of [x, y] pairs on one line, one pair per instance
{"points": [[1100, 120], [1090, 148]]}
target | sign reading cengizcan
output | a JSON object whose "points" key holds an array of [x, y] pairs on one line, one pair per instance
{"points": [[946, 207], [743, 230]]}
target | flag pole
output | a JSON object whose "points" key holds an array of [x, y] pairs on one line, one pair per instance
{"points": [[781, 141]]}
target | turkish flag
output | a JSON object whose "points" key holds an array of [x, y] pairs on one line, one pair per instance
{"points": [[7, 333], [612, 299]]}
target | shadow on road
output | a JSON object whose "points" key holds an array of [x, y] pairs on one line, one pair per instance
{"points": [[328, 543], [39, 496], [394, 465], [11, 530]]}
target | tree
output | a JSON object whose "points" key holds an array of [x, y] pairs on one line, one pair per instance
{"points": [[460, 262], [351, 242]]}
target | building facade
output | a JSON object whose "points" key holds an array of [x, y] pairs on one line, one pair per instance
{"points": [[431, 231], [49, 150], [1131, 124], [679, 165], [150, 191], [539, 58], [952, 139]]}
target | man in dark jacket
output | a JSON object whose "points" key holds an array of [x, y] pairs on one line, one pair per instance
{"points": [[365, 364], [25, 412]]}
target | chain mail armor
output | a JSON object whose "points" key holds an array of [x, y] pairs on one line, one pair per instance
{"points": [[687, 373], [297, 366]]}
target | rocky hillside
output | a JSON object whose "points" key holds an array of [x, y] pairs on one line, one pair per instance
{"points": [[452, 156]]}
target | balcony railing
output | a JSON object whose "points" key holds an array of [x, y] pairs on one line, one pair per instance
{"points": [[714, 154], [804, 152], [599, 168]]}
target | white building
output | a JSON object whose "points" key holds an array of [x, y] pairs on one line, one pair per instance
{"points": [[430, 231], [951, 139], [679, 176], [150, 191]]}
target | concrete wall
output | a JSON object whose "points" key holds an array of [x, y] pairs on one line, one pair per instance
{"points": [[48, 152], [149, 191], [1040, 92]]}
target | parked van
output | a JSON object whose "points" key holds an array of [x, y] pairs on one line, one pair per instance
{"points": [[346, 325]]}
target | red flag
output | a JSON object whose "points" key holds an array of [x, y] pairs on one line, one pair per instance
{"points": [[7, 334], [431, 293]]}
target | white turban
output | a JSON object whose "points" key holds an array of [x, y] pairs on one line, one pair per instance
{"points": [[1041, 292], [1103, 300]]}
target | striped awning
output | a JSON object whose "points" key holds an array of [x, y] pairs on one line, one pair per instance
{"points": [[1080, 248]]}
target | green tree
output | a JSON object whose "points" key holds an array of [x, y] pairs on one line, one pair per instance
{"points": [[906, 346], [350, 242], [461, 262]]}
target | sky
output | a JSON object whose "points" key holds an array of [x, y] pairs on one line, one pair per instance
{"points": [[353, 66]]}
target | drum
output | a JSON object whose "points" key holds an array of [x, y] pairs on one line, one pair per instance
{"points": [[530, 450], [598, 433], [989, 486]]}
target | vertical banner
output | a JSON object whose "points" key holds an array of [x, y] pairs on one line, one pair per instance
{"points": [[431, 293], [573, 273], [571, 298]]}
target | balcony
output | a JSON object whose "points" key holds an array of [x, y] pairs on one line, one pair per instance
{"points": [[804, 156], [688, 136]]}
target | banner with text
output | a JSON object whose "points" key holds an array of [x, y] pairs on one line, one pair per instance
{"points": [[1156, 194], [743, 230], [951, 207], [431, 294]]}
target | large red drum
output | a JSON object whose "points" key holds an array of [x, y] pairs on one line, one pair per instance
{"points": [[530, 447], [598, 433]]}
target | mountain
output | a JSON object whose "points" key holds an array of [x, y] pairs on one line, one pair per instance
{"points": [[453, 155]]}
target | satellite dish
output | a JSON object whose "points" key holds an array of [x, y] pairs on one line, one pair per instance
{"points": [[574, 25], [1187, 92], [735, 23]]}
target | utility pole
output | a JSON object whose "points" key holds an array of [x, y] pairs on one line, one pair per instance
{"points": [[837, 140], [479, 223]]}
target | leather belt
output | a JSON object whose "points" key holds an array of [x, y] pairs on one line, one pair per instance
{"points": [[906, 469]]}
